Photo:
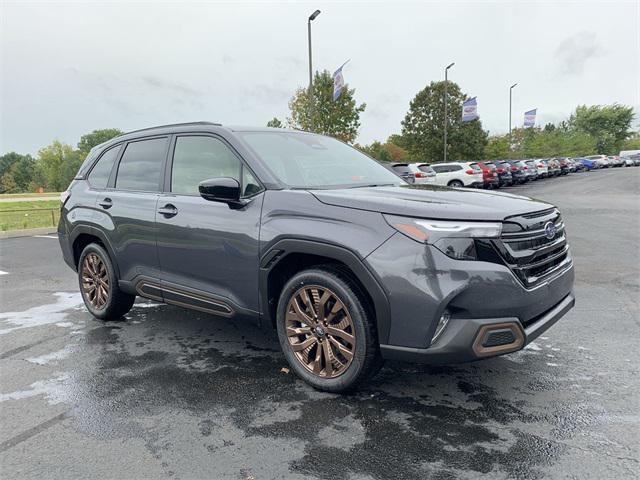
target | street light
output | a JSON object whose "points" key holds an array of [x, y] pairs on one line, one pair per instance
{"points": [[446, 82], [312, 17], [510, 98]]}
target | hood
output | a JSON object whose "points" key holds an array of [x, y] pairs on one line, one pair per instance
{"points": [[431, 201]]}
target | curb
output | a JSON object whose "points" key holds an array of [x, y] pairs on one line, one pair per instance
{"points": [[29, 232]]}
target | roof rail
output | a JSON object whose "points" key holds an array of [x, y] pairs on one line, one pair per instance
{"points": [[171, 125]]}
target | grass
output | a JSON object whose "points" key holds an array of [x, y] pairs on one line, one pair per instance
{"points": [[27, 195], [20, 215]]}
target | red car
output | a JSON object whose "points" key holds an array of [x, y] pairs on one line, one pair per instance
{"points": [[489, 175]]}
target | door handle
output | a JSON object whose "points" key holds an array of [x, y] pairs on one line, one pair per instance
{"points": [[106, 203], [168, 210]]}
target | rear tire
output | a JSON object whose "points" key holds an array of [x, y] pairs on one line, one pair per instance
{"points": [[99, 285], [455, 183], [322, 314]]}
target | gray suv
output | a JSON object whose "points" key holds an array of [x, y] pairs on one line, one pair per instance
{"points": [[301, 232]]}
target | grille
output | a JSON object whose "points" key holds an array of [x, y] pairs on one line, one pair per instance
{"points": [[526, 249]]}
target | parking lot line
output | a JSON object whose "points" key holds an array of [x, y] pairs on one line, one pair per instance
{"points": [[46, 236], [2, 272]]}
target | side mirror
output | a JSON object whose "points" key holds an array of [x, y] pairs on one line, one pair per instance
{"points": [[222, 189]]}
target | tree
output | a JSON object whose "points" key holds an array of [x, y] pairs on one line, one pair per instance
{"points": [[8, 160], [423, 126], [339, 118], [609, 124], [497, 148], [57, 164], [19, 176], [384, 152], [90, 140], [275, 123], [632, 143]]}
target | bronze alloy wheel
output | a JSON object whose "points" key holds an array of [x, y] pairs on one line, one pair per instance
{"points": [[320, 331], [95, 281]]}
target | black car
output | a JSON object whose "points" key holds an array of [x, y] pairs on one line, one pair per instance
{"points": [[518, 174], [309, 237], [402, 170], [503, 169]]}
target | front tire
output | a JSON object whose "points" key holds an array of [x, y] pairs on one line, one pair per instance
{"points": [[455, 183], [99, 285], [325, 330]]}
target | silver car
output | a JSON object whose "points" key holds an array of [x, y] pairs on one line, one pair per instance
{"points": [[423, 173]]}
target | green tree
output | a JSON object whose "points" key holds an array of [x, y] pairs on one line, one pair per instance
{"points": [[275, 123], [57, 164], [609, 124], [7, 160], [19, 177], [423, 126], [497, 148], [385, 152], [90, 140], [632, 143], [339, 118]]}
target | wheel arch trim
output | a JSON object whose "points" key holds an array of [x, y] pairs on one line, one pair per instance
{"points": [[285, 247]]}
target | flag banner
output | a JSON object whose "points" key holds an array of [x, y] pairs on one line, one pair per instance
{"points": [[530, 118], [470, 110], [338, 82]]}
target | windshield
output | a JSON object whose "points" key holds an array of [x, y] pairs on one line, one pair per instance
{"points": [[313, 161]]}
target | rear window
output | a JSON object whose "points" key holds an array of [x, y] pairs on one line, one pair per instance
{"points": [[425, 169], [99, 175], [401, 169], [476, 167], [141, 165]]}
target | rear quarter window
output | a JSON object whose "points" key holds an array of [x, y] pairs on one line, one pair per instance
{"points": [[99, 175]]}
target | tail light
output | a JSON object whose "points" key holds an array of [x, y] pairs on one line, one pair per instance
{"points": [[525, 168], [500, 170], [540, 165], [470, 172], [420, 175], [64, 196], [514, 169]]}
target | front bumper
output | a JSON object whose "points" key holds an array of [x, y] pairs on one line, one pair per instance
{"points": [[421, 282], [457, 343]]}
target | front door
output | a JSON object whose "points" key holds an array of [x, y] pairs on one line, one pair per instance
{"points": [[208, 251]]}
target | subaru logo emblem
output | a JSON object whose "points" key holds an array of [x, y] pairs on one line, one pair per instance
{"points": [[550, 230]]}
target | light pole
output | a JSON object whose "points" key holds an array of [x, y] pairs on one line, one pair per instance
{"points": [[312, 17], [446, 82], [510, 98]]}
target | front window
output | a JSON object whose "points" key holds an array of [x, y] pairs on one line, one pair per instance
{"points": [[312, 161]]}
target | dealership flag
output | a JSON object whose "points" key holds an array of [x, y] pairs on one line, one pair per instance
{"points": [[470, 110], [338, 82], [530, 118]]}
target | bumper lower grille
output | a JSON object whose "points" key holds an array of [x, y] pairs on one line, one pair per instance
{"points": [[535, 246]]}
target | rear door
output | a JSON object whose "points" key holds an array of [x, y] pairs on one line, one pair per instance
{"points": [[442, 174], [208, 251], [129, 207]]}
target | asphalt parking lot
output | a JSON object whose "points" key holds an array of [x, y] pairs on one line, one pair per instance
{"points": [[171, 393]]}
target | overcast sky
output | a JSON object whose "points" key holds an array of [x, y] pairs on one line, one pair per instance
{"points": [[68, 68]]}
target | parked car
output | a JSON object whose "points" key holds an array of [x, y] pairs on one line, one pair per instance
{"points": [[489, 175], [531, 169], [577, 164], [565, 168], [518, 173], [615, 161], [541, 166], [503, 169], [235, 221], [553, 167], [402, 170], [423, 173], [601, 160], [628, 162], [589, 163], [458, 174]]}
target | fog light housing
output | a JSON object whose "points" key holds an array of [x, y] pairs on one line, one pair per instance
{"points": [[442, 324]]}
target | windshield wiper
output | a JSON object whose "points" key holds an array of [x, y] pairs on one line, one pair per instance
{"points": [[374, 185]]}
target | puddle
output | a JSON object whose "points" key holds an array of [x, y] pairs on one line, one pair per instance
{"points": [[53, 313]]}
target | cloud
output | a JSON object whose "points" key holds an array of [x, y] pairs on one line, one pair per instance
{"points": [[574, 52], [169, 85]]}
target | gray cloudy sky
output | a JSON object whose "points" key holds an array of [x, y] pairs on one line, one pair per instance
{"points": [[68, 68]]}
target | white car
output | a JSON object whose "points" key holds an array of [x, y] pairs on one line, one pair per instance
{"points": [[423, 173], [458, 174], [602, 160], [543, 168]]}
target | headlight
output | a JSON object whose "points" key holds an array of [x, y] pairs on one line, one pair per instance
{"points": [[454, 239]]}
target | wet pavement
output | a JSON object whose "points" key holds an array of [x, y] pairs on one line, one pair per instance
{"points": [[171, 393]]}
